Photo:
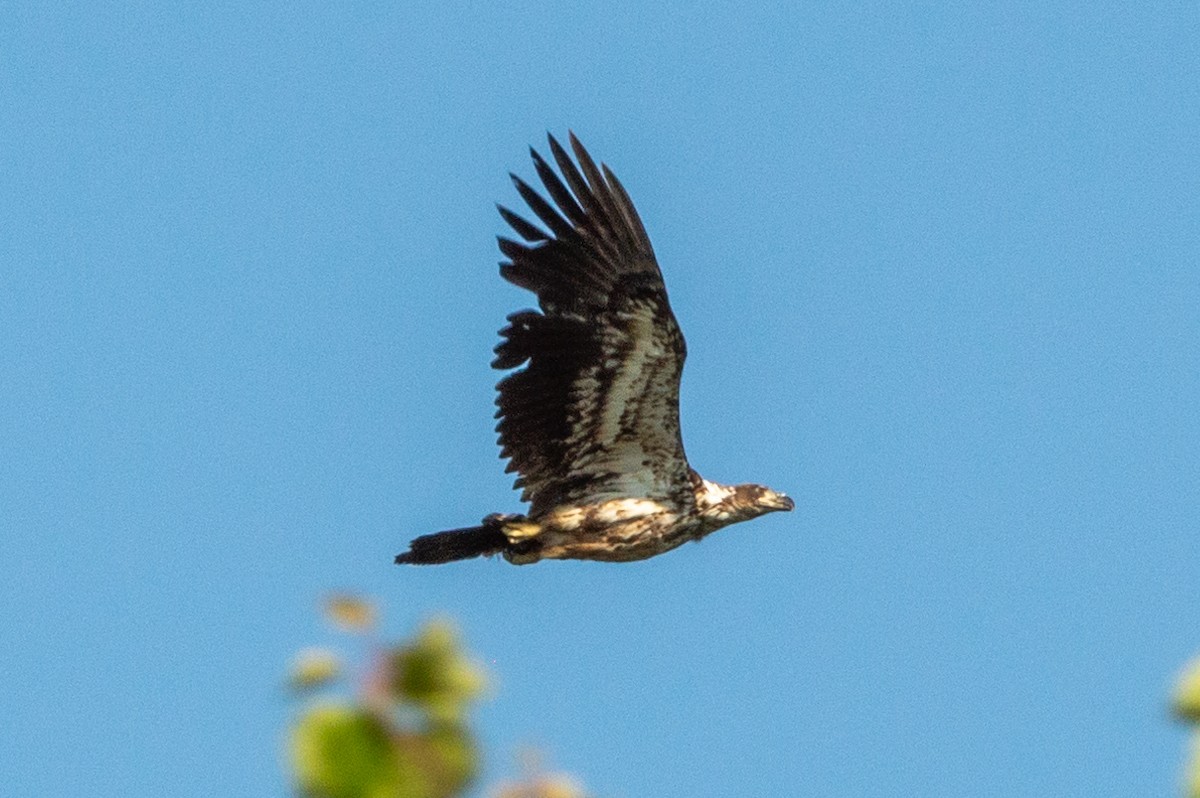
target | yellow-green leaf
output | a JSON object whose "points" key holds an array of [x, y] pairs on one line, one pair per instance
{"points": [[314, 667], [433, 673], [454, 759], [1187, 694], [344, 752]]}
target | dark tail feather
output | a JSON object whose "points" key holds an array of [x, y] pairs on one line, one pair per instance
{"points": [[456, 544]]}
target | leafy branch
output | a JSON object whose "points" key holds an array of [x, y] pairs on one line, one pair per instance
{"points": [[403, 731]]}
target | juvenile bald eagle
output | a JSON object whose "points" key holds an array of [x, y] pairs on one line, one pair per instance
{"points": [[591, 422]]}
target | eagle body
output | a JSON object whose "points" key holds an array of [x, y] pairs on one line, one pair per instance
{"points": [[590, 417]]}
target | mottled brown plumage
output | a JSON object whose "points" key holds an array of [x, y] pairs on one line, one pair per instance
{"points": [[591, 421]]}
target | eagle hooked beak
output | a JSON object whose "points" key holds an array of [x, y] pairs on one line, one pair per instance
{"points": [[777, 501]]}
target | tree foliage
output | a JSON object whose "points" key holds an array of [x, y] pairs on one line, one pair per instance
{"points": [[1187, 708], [403, 730]]}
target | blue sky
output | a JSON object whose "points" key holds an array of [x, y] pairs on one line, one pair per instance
{"points": [[938, 270]]}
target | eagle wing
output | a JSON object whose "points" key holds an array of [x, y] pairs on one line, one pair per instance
{"points": [[594, 413]]}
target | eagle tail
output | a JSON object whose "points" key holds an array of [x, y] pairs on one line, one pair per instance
{"points": [[457, 544]]}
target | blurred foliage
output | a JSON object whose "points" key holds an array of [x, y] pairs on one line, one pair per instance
{"points": [[1187, 694], [1186, 706], [403, 730], [313, 668], [350, 613], [537, 783], [554, 785]]}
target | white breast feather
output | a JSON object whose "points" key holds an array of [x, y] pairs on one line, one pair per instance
{"points": [[712, 494]]}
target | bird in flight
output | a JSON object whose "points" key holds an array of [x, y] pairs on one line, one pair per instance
{"points": [[590, 420]]}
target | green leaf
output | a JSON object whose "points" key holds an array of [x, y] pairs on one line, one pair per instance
{"points": [[344, 752], [456, 760], [432, 673], [1187, 694], [436, 764]]}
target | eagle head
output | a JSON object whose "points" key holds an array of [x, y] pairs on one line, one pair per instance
{"points": [[721, 505], [760, 499]]}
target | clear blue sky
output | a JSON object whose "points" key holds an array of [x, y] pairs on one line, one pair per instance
{"points": [[939, 269]]}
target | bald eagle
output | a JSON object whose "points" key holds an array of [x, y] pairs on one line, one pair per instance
{"points": [[591, 421]]}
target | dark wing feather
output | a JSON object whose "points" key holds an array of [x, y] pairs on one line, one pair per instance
{"points": [[594, 413]]}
